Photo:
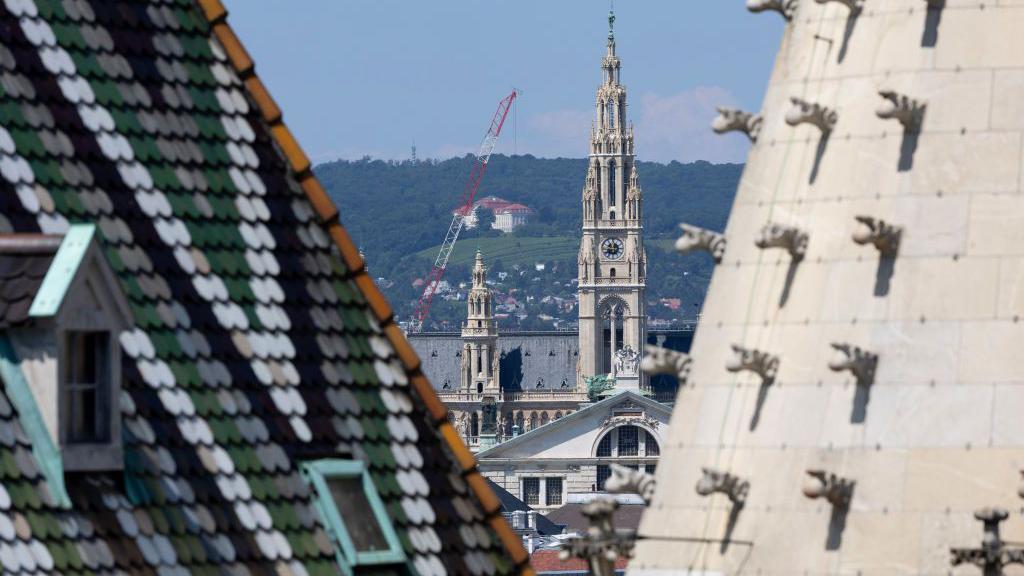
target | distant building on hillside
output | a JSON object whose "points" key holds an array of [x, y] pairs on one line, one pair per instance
{"points": [[507, 215]]}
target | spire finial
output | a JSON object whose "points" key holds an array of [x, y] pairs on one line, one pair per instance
{"points": [[611, 22]]}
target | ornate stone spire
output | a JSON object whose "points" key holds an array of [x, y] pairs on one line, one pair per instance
{"points": [[479, 301], [479, 272]]}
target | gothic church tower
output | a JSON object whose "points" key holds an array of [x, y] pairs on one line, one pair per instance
{"points": [[612, 265]]}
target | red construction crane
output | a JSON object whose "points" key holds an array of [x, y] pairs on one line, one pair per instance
{"points": [[476, 175]]}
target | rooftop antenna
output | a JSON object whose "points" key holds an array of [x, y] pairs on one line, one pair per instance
{"points": [[414, 159]]}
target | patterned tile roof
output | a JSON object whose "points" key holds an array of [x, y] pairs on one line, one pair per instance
{"points": [[260, 342], [24, 260]]}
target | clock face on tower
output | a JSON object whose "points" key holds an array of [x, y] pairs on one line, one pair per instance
{"points": [[612, 248]]}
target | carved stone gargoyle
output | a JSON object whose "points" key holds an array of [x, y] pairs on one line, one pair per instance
{"points": [[659, 360], [855, 6], [859, 362], [628, 481], [695, 239], [821, 484], [908, 111], [761, 363], [804, 112], [880, 234], [993, 554], [793, 239], [785, 7], [735, 120], [724, 483]]}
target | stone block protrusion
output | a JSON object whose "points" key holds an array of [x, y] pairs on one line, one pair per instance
{"points": [[803, 112], [993, 554], [859, 362], [696, 239], [879, 233], [626, 480], [761, 363], [785, 7], [732, 486], [908, 111], [659, 360], [821, 484], [793, 239], [855, 6], [736, 120]]}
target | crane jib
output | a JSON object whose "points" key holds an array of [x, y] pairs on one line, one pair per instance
{"points": [[458, 220]]}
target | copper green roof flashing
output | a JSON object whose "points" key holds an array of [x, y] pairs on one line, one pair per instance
{"points": [[45, 450], [61, 274]]}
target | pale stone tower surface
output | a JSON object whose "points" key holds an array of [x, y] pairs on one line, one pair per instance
{"points": [[612, 263], [479, 374], [480, 336], [856, 384]]}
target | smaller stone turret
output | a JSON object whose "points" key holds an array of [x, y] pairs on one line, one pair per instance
{"points": [[480, 336]]}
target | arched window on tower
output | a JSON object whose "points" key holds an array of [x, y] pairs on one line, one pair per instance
{"points": [[612, 187], [519, 422], [533, 420], [543, 418], [474, 425], [613, 314]]}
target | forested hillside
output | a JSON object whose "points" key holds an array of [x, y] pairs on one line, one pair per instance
{"points": [[398, 212]]}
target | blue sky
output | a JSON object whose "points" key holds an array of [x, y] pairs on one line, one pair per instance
{"points": [[369, 77]]}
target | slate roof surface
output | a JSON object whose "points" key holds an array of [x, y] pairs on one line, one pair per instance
{"points": [[24, 260], [625, 517], [530, 360], [510, 503], [260, 341]]}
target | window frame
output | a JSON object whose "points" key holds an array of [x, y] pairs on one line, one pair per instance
{"points": [[522, 489], [548, 493], [622, 440], [317, 473], [101, 388]]}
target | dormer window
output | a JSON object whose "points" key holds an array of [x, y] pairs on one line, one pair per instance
{"points": [[353, 514], [86, 401], [64, 355]]}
